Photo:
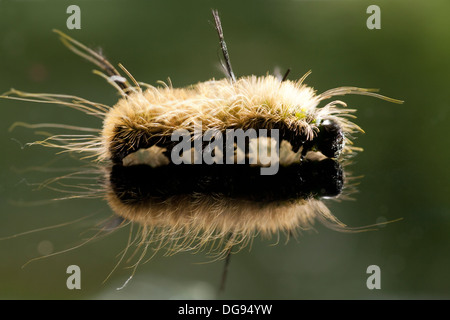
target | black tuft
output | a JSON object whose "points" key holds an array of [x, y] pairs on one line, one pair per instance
{"points": [[330, 139]]}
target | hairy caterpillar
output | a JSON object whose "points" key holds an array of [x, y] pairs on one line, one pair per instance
{"points": [[192, 206]]}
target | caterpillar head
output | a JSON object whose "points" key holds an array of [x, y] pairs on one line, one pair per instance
{"points": [[330, 140]]}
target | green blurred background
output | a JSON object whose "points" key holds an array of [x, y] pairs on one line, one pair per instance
{"points": [[405, 162]]}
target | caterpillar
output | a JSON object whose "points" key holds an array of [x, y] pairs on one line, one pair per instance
{"points": [[205, 195]]}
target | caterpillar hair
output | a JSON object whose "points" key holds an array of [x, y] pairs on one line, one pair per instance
{"points": [[179, 201]]}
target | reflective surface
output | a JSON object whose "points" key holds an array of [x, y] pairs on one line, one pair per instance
{"points": [[404, 163]]}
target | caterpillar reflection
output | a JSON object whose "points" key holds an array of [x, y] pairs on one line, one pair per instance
{"points": [[218, 205]]}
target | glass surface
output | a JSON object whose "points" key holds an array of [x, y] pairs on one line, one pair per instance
{"points": [[405, 163]]}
